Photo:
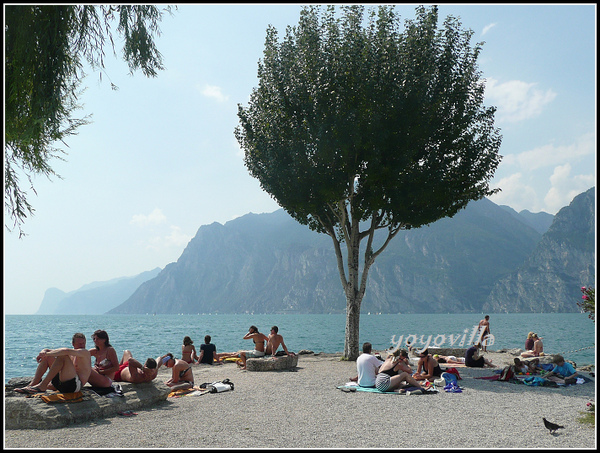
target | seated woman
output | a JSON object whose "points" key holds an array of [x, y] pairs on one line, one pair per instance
{"points": [[390, 374], [427, 368], [529, 341], [538, 348], [188, 350], [473, 360]]}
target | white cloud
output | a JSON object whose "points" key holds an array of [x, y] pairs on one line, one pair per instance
{"points": [[487, 28], [177, 238], [565, 187], [516, 194], [516, 100], [214, 92], [551, 155], [156, 217]]}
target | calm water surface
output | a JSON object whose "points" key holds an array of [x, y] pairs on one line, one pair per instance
{"points": [[572, 334]]}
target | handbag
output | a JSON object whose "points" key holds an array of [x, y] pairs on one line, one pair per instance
{"points": [[220, 386]]}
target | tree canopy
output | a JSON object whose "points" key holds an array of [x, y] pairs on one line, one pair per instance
{"points": [[45, 51], [358, 126]]}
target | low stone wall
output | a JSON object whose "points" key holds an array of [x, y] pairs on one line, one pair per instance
{"points": [[285, 362], [458, 352], [21, 412]]}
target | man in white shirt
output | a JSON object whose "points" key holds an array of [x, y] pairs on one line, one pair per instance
{"points": [[367, 366]]}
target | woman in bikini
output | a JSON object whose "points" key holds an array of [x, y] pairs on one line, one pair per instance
{"points": [[188, 351], [391, 374], [182, 377], [427, 368], [107, 362]]}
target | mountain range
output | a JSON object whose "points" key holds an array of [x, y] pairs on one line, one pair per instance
{"points": [[94, 298], [486, 258]]}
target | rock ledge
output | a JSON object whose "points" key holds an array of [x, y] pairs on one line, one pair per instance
{"points": [[21, 412], [286, 362]]}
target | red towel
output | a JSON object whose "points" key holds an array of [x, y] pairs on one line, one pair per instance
{"points": [[454, 371]]}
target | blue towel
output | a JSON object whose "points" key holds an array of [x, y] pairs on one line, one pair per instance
{"points": [[365, 389]]}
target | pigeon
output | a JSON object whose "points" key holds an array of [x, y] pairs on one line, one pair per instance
{"points": [[552, 427]]}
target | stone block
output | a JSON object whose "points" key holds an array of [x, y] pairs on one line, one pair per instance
{"points": [[21, 412], [457, 352], [285, 362]]}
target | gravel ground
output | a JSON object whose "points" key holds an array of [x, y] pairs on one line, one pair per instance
{"points": [[304, 409]]}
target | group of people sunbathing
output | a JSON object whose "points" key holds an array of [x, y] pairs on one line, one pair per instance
{"points": [[263, 345], [395, 371], [69, 369]]}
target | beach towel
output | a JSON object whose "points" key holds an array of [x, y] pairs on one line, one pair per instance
{"points": [[180, 392], [352, 386], [358, 388], [75, 397]]}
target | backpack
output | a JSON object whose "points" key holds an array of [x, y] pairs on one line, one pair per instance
{"points": [[450, 378], [454, 371], [507, 373]]}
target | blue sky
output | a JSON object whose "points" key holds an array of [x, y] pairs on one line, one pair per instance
{"points": [[160, 159]]}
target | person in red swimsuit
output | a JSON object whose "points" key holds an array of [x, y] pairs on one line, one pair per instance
{"points": [[130, 370]]}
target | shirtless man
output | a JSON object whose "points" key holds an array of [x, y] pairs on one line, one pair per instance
{"points": [[68, 369], [130, 370], [274, 341], [182, 377], [484, 328]]}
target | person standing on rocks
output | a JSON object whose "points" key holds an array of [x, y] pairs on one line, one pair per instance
{"points": [[484, 329], [68, 369]]}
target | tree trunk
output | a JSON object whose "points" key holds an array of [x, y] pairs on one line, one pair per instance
{"points": [[354, 293], [353, 283], [351, 342]]}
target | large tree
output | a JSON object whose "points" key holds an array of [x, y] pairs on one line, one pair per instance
{"points": [[358, 126], [45, 49]]}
